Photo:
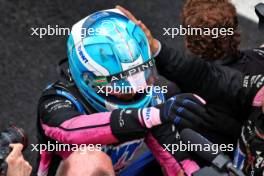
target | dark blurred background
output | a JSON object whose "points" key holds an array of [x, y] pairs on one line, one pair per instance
{"points": [[28, 63]]}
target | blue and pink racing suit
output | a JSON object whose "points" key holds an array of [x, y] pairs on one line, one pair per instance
{"points": [[65, 117]]}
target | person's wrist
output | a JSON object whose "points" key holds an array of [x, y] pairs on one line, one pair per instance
{"points": [[150, 117]]}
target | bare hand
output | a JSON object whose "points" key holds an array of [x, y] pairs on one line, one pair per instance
{"points": [[181, 173], [17, 166], [154, 44]]}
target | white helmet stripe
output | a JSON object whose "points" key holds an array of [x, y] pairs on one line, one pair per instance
{"points": [[89, 63]]}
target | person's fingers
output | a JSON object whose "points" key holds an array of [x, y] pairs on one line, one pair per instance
{"points": [[181, 173], [16, 150], [197, 109], [15, 162], [193, 97], [188, 115], [193, 107], [136, 21], [28, 168], [127, 13], [190, 102], [143, 26], [148, 33], [25, 167], [145, 29], [177, 113]]}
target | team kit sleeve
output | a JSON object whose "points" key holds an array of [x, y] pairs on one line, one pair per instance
{"points": [[206, 79], [61, 121]]}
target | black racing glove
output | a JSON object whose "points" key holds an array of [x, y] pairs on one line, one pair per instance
{"points": [[185, 111]]}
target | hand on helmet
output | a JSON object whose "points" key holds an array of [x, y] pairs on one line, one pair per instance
{"points": [[154, 43]]}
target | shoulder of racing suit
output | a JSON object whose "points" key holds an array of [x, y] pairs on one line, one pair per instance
{"points": [[65, 89], [63, 100]]}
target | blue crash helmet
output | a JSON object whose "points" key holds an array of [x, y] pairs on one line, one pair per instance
{"points": [[106, 50]]}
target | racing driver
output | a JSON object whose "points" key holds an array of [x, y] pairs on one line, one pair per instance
{"points": [[85, 108]]}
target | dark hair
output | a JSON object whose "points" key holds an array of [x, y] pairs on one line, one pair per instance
{"points": [[211, 14]]}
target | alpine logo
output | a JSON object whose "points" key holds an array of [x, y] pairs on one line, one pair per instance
{"points": [[132, 71]]}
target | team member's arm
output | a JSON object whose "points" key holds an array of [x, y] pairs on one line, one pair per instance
{"points": [[209, 80], [206, 79], [195, 75]]}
